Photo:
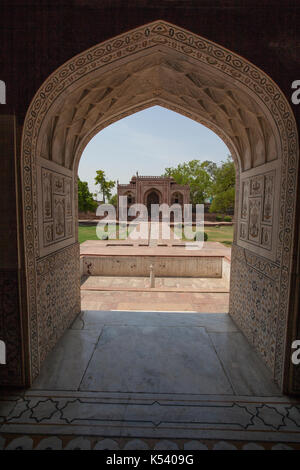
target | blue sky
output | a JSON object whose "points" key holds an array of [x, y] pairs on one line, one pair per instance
{"points": [[148, 142]]}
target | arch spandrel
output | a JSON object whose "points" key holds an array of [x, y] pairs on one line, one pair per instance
{"points": [[162, 64]]}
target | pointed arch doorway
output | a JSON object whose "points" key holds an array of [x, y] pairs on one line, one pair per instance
{"points": [[161, 64], [152, 197]]}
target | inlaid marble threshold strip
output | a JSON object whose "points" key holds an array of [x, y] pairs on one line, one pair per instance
{"points": [[275, 419]]}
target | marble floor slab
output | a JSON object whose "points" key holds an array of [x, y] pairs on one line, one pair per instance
{"points": [[161, 352], [7, 404], [246, 372], [95, 319], [155, 359], [66, 364]]}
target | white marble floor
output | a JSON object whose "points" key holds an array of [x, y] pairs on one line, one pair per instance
{"points": [[149, 379], [155, 352]]}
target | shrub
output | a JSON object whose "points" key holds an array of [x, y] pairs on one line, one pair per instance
{"points": [[198, 236], [218, 218], [227, 218]]}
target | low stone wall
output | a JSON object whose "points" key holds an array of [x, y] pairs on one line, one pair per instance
{"points": [[175, 266]]}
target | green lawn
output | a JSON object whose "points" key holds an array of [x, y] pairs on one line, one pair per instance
{"points": [[89, 232], [221, 233], [86, 233]]}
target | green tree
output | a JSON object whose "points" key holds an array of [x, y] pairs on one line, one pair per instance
{"points": [[199, 177], [210, 168], [105, 186], [113, 200], [85, 197], [223, 188]]}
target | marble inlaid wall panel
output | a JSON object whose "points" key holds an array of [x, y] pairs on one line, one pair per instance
{"points": [[11, 373], [256, 227], [58, 295], [254, 288], [56, 207]]}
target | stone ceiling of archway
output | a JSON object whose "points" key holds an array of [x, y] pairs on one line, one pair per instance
{"points": [[173, 79]]}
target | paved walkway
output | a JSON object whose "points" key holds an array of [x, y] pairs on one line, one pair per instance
{"points": [[170, 294], [162, 284], [140, 380], [154, 300]]}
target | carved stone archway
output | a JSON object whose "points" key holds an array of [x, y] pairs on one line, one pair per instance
{"points": [[161, 64]]}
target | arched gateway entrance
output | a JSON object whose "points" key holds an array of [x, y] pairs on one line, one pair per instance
{"points": [[152, 197], [160, 64]]}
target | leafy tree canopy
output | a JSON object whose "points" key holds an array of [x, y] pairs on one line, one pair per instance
{"points": [[207, 179], [198, 175], [113, 200], [105, 186], [223, 188], [85, 197]]}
